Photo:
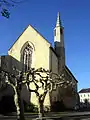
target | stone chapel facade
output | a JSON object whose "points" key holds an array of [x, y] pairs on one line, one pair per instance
{"points": [[33, 50]]}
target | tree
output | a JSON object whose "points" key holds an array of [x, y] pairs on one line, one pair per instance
{"points": [[16, 83], [6, 4], [44, 81]]}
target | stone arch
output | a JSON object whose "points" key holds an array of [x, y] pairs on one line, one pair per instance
{"points": [[30, 43]]}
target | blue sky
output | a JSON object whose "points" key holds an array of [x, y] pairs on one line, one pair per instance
{"points": [[41, 14]]}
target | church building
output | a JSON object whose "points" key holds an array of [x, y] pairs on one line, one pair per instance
{"points": [[34, 51]]}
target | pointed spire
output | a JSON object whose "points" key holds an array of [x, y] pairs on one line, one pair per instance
{"points": [[58, 24]]}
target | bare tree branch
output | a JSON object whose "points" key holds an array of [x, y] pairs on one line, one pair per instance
{"points": [[6, 4]]}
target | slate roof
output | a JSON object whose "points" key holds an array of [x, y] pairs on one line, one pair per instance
{"points": [[87, 90]]}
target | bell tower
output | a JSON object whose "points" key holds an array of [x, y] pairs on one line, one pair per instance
{"points": [[59, 42]]}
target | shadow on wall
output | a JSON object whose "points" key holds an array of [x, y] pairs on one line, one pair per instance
{"points": [[7, 105], [58, 106]]}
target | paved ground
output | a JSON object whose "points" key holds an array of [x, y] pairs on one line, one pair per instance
{"points": [[54, 116]]}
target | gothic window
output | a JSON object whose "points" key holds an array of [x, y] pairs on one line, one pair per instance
{"points": [[27, 57]]}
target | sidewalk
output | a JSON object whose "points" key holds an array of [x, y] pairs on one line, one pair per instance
{"points": [[68, 114], [48, 116]]}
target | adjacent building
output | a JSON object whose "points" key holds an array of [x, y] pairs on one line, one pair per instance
{"points": [[84, 95]]}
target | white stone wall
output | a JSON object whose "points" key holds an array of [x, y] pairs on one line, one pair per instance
{"points": [[40, 57], [39, 44], [84, 96]]}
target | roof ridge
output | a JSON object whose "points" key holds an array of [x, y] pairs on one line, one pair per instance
{"points": [[24, 31]]}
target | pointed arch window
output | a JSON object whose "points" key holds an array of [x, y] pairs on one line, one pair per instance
{"points": [[27, 57]]}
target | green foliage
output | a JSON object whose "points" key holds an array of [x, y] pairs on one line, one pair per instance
{"points": [[46, 109], [30, 108]]}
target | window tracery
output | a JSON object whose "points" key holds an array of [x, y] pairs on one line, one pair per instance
{"points": [[27, 57]]}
